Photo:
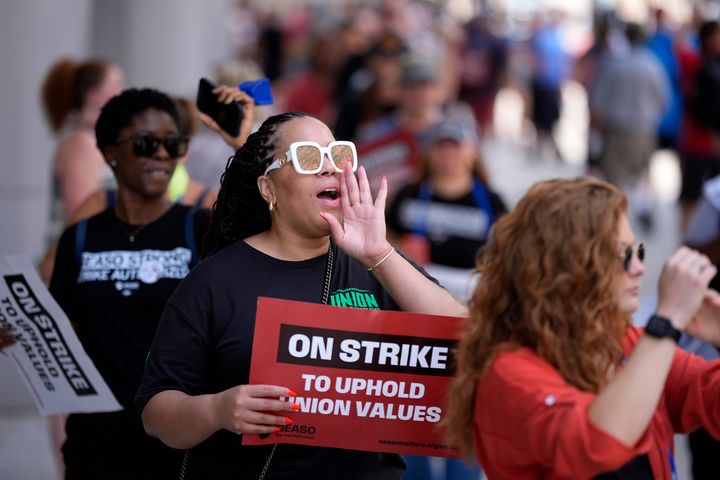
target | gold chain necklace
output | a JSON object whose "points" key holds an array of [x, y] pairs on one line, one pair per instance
{"points": [[131, 234]]}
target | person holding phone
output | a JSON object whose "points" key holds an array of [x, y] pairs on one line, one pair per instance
{"points": [[209, 155], [113, 273], [554, 381], [292, 221], [226, 110]]}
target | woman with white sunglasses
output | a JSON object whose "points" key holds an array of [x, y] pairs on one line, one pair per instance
{"points": [[285, 194]]}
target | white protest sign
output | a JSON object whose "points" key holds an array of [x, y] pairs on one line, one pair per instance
{"points": [[48, 355]]}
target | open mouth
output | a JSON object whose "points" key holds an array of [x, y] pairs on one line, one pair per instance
{"points": [[329, 193], [158, 172]]}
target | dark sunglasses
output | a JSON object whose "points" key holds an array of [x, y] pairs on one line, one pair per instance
{"points": [[145, 145], [627, 254]]}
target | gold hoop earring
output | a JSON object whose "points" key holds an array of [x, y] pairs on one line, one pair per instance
{"points": [[271, 206]]}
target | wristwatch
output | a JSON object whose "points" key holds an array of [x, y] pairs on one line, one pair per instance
{"points": [[661, 327]]}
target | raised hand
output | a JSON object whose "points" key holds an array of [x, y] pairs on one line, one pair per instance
{"points": [[705, 325], [243, 409], [683, 284], [228, 95], [362, 233]]}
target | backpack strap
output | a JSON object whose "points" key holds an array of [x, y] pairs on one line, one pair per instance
{"points": [[80, 232], [110, 198], [190, 234], [482, 200], [201, 199], [420, 224]]}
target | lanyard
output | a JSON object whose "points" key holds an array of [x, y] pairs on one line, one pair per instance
{"points": [[673, 470], [480, 195]]}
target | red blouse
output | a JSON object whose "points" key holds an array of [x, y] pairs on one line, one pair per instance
{"points": [[531, 424]]}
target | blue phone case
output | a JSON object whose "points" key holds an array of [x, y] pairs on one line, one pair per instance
{"points": [[259, 90]]}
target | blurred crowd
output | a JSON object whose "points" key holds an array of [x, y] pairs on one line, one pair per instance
{"points": [[383, 73]]}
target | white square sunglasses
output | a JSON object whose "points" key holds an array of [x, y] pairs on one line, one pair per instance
{"points": [[307, 157]]}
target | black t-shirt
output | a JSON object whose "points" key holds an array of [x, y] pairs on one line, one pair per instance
{"points": [[203, 346], [705, 100], [636, 469], [455, 227], [114, 291]]}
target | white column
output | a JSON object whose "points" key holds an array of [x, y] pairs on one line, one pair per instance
{"points": [[33, 34], [164, 44]]}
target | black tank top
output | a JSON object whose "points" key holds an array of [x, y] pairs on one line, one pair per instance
{"points": [[636, 469]]}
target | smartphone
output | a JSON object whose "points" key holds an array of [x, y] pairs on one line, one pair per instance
{"points": [[227, 116]]}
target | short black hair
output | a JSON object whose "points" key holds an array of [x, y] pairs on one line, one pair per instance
{"points": [[119, 112]]}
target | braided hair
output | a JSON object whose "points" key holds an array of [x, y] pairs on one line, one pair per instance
{"points": [[240, 211]]}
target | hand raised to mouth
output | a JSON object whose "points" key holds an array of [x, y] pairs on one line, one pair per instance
{"points": [[362, 233]]}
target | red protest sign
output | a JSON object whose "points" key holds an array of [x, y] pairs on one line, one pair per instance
{"points": [[394, 155], [365, 379]]}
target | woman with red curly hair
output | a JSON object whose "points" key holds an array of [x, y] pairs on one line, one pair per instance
{"points": [[554, 381]]}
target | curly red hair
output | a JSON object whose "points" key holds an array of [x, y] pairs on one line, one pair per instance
{"points": [[547, 283]]}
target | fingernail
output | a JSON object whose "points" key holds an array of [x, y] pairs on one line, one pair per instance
{"points": [[277, 429], [295, 407], [287, 421], [291, 393]]}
